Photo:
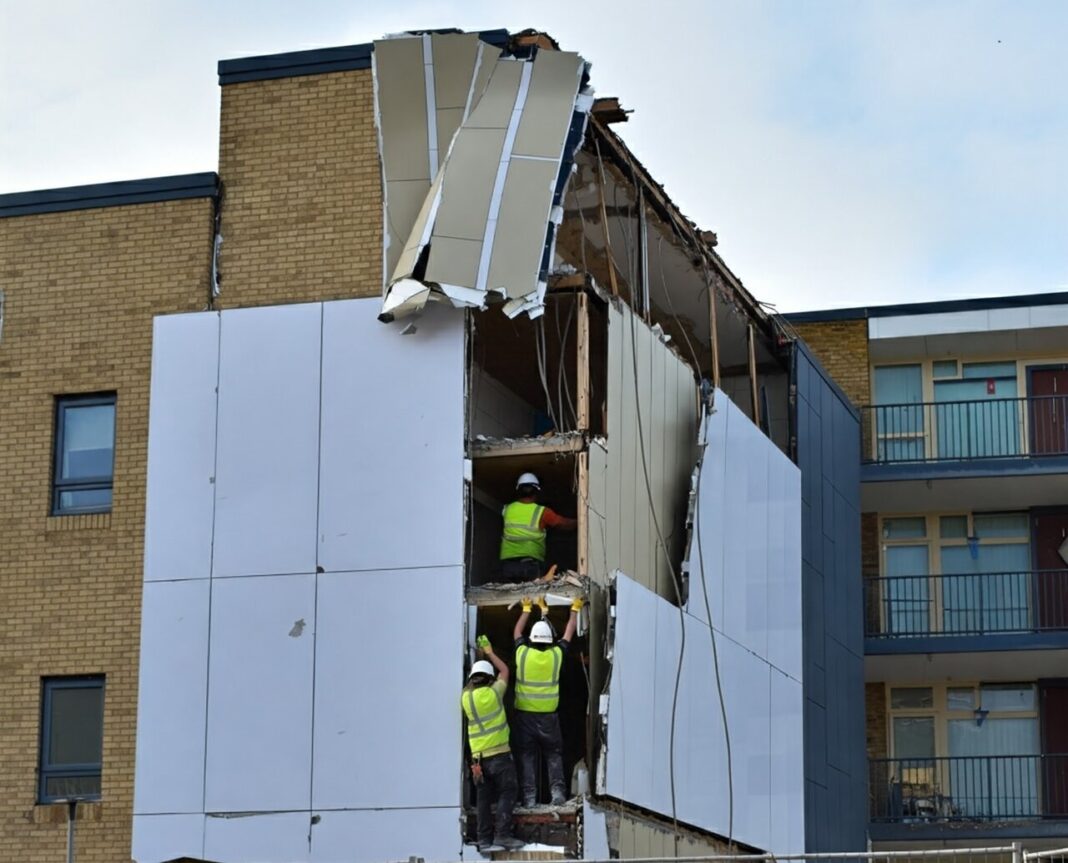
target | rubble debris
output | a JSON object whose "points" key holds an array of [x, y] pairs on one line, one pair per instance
{"points": [[559, 588]]}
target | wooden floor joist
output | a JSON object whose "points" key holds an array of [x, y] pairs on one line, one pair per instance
{"points": [[562, 442]]}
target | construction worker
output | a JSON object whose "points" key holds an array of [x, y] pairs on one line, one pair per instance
{"points": [[492, 768], [525, 524], [538, 661]]}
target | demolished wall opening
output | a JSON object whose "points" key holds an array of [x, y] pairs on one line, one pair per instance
{"points": [[493, 486], [529, 378], [497, 623]]}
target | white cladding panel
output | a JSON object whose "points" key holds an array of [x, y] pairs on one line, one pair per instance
{"points": [[260, 694], [748, 518], [387, 718], [172, 697], [971, 321], [268, 441], [179, 500], [392, 441], [388, 834], [281, 836], [158, 838]]}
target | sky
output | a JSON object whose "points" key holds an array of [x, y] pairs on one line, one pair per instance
{"points": [[846, 153]]}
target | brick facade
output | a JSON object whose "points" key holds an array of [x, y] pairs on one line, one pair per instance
{"points": [[302, 190], [875, 711], [842, 349], [81, 290]]}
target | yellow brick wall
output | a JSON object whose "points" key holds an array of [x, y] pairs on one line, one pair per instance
{"points": [[301, 213], [842, 349], [81, 290]]}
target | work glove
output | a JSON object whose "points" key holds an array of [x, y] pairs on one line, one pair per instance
{"points": [[543, 606], [527, 604], [577, 604], [483, 643]]}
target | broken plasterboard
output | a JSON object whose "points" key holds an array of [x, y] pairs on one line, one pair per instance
{"points": [[561, 589], [486, 219]]}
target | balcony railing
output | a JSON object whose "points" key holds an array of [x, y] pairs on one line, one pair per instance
{"points": [[963, 431], [903, 606], [969, 788]]}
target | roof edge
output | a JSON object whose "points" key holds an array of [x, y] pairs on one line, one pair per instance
{"points": [[293, 64], [1053, 298], [117, 194]]}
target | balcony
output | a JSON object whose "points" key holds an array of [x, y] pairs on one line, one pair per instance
{"points": [[980, 789], [984, 604], [944, 431]]}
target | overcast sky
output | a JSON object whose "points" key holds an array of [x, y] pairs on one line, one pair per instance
{"points": [[845, 152]]}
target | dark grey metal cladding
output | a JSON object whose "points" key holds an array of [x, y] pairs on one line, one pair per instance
{"points": [[977, 304], [828, 453], [118, 194]]}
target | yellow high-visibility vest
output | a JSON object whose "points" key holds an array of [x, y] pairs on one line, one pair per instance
{"points": [[537, 678], [523, 535], [487, 724]]}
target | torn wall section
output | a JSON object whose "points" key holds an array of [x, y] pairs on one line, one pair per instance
{"points": [[746, 558], [486, 224]]}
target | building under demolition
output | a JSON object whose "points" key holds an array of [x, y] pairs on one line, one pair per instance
{"points": [[426, 266]]}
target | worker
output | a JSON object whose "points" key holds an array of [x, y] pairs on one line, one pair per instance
{"points": [[523, 539], [538, 661], [492, 768]]}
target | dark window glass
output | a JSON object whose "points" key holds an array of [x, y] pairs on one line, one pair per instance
{"points": [[72, 735], [84, 454]]}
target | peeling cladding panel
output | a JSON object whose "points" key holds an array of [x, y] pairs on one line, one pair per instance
{"points": [[398, 834], [159, 838], [364, 724], [172, 697], [392, 440], [594, 833], [260, 693], [268, 838], [180, 496], [268, 441]]}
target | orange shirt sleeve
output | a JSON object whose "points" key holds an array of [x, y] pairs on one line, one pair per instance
{"points": [[550, 519]]}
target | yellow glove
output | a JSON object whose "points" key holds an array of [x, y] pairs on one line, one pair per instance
{"points": [[543, 606], [577, 604], [484, 643], [527, 604]]}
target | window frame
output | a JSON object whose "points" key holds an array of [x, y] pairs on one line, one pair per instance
{"points": [[59, 486], [45, 769]]}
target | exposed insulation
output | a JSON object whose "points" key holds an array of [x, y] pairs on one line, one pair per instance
{"points": [[490, 167]]}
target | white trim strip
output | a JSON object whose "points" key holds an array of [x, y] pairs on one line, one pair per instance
{"points": [[431, 105]]}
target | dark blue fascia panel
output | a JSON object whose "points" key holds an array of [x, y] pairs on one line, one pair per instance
{"points": [[993, 643], [827, 427], [975, 468], [294, 64], [979, 304], [934, 832], [110, 194]]}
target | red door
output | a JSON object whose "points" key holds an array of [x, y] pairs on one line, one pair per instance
{"points": [[1053, 706], [1050, 549], [1048, 390]]}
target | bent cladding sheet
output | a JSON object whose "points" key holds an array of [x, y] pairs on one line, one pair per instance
{"points": [[306, 474], [748, 526]]}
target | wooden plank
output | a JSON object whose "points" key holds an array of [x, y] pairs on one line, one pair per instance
{"points": [[753, 376], [604, 222], [713, 332], [583, 515], [562, 442], [582, 362]]}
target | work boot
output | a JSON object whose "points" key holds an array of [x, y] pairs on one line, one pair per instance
{"points": [[529, 801], [508, 843], [558, 798], [489, 848]]}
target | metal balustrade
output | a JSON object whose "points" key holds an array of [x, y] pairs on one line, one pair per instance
{"points": [[903, 606], [966, 430], [969, 788]]}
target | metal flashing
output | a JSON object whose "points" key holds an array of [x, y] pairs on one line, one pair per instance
{"points": [[857, 313], [319, 61], [992, 643], [974, 468], [118, 194]]}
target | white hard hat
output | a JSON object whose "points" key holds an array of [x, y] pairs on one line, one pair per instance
{"points": [[541, 633], [527, 479], [481, 667]]}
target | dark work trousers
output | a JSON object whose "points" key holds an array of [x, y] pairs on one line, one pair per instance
{"points": [[498, 787], [521, 569], [534, 732]]}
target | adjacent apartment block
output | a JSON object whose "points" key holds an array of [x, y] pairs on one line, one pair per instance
{"points": [[260, 426], [964, 408]]}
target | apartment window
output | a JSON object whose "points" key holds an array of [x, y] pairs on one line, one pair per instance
{"points": [[72, 734], [84, 454], [966, 573]]}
